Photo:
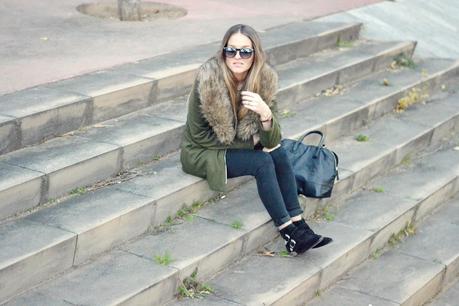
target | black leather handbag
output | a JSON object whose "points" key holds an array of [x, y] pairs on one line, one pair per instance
{"points": [[315, 167]]}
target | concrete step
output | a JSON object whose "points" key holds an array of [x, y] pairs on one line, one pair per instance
{"points": [[360, 228], [414, 272], [257, 226], [31, 116], [448, 297], [119, 144]]}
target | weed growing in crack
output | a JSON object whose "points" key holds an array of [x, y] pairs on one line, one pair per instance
{"points": [[192, 288], [413, 96], [409, 230]]}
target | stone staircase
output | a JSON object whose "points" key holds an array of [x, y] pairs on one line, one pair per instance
{"points": [[66, 244]]}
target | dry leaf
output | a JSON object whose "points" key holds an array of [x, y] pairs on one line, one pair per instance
{"points": [[100, 125], [267, 253]]}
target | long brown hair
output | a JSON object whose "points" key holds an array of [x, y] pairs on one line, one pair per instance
{"points": [[252, 80]]}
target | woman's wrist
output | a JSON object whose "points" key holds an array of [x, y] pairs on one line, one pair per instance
{"points": [[266, 117]]}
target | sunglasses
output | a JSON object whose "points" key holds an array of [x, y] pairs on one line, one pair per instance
{"points": [[243, 52]]}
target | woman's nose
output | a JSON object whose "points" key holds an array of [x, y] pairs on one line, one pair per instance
{"points": [[237, 55]]}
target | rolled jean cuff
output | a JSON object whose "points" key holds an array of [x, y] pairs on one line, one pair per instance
{"points": [[281, 221], [296, 212]]}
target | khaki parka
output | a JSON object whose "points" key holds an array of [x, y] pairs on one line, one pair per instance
{"points": [[212, 128]]}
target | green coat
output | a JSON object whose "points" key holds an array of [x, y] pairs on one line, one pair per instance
{"points": [[211, 126]]}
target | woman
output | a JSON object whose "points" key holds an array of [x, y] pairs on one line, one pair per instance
{"points": [[232, 130]]}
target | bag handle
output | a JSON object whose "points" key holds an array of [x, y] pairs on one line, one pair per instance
{"points": [[300, 140]]}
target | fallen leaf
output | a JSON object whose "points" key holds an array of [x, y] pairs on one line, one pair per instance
{"points": [[266, 253]]}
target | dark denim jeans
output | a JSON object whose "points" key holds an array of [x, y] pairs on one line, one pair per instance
{"points": [[275, 180]]}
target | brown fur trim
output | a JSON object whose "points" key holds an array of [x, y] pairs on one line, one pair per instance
{"points": [[216, 104]]}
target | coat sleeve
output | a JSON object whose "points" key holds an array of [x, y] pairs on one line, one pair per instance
{"points": [[271, 137], [200, 130]]}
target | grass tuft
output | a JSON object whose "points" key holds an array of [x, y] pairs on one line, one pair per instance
{"points": [[164, 260], [409, 230], [324, 213], [406, 161], [287, 113], [362, 138], [376, 254], [237, 224], [403, 60], [78, 191], [344, 43], [192, 288], [378, 189], [284, 253]]}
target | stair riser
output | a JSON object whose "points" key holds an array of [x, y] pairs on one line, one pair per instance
{"points": [[83, 174], [49, 124], [427, 292], [281, 55], [112, 233], [113, 100], [19, 132], [157, 292], [151, 148], [28, 272], [452, 272], [10, 134], [22, 197]]}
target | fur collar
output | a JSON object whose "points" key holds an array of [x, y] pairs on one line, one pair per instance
{"points": [[216, 104]]}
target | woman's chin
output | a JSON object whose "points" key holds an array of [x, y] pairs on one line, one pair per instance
{"points": [[239, 73]]}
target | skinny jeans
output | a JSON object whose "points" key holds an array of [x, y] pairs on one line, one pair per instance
{"points": [[274, 176]]}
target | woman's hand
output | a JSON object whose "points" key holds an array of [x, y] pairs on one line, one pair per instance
{"points": [[254, 102]]}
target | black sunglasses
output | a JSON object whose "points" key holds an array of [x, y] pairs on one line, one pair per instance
{"points": [[243, 52]]}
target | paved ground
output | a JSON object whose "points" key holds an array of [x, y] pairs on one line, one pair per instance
{"points": [[47, 40]]}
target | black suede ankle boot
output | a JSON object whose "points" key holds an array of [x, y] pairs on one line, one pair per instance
{"points": [[303, 225], [298, 240]]}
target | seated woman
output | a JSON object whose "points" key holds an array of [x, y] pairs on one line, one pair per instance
{"points": [[232, 130]]}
